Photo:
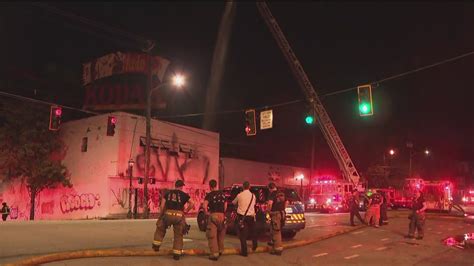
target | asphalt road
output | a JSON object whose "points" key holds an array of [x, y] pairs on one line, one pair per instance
{"points": [[367, 246]]}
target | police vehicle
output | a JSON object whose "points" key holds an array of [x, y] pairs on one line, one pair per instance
{"points": [[294, 220]]}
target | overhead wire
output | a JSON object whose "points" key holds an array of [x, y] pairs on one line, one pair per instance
{"points": [[90, 22], [404, 73]]}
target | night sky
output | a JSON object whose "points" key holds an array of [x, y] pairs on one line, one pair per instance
{"points": [[340, 45]]}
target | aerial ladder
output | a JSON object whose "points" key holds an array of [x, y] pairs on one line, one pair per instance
{"points": [[349, 172]]}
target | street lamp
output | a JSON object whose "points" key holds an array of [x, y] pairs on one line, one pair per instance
{"points": [[427, 152], [130, 171], [178, 81], [392, 152], [301, 177]]}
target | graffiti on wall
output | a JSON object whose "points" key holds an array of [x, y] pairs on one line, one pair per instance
{"points": [[171, 164], [75, 202], [274, 174], [121, 197]]}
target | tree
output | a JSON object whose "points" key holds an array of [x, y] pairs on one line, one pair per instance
{"points": [[29, 150]]}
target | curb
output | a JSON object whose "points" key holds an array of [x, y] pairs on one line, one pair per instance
{"points": [[81, 254]]}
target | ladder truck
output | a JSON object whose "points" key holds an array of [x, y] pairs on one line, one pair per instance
{"points": [[349, 171]]}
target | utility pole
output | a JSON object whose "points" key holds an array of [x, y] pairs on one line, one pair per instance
{"points": [[146, 210]]}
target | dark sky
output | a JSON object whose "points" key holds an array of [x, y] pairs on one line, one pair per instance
{"points": [[340, 45]]}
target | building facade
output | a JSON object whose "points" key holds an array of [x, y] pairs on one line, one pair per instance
{"points": [[99, 168]]}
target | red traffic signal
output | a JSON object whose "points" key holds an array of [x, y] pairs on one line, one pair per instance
{"points": [[55, 117], [250, 123], [111, 121]]}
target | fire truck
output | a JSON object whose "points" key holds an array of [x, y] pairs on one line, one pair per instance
{"points": [[328, 194], [438, 194]]}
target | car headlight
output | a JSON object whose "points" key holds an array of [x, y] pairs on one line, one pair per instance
{"points": [[328, 201], [289, 210], [312, 201]]}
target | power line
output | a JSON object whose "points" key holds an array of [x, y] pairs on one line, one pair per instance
{"points": [[233, 111], [405, 73], [92, 23], [23, 98]]}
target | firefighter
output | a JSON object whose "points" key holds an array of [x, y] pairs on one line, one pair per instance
{"points": [[172, 213], [417, 217], [276, 205], [383, 209], [5, 211], [373, 211], [216, 227], [354, 207]]}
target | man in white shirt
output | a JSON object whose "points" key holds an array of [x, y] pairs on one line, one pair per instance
{"points": [[245, 203]]}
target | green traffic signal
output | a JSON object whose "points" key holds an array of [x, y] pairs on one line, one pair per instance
{"points": [[364, 93], [309, 120], [364, 108]]}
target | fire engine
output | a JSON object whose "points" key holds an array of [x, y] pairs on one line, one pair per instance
{"points": [[468, 197], [328, 194], [438, 195]]}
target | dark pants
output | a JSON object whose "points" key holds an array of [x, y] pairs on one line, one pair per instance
{"points": [[247, 232], [355, 212], [417, 222], [383, 213]]}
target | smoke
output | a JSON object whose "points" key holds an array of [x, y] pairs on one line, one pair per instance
{"points": [[218, 63]]}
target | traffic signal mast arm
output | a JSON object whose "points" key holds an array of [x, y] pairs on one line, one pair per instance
{"points": [[329, 131]]}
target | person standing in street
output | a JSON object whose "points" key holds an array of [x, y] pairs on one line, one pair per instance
{"points": [[276, 205], [245, 221], [172, 213], [354, 207], [383, 209], [5, 211], [372, 216], [417, 216], [216, 228]]}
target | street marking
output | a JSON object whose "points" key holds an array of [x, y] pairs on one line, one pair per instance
{"points": [[357, 246], [358, 232], [351, 257], [384, 239], [187, 240], [380, 248], [320, 255]]}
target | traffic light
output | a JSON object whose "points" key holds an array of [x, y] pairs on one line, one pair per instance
{"points": [[309, 119], [250, 122], [111, 121], [55, 117], [365, 100]]}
